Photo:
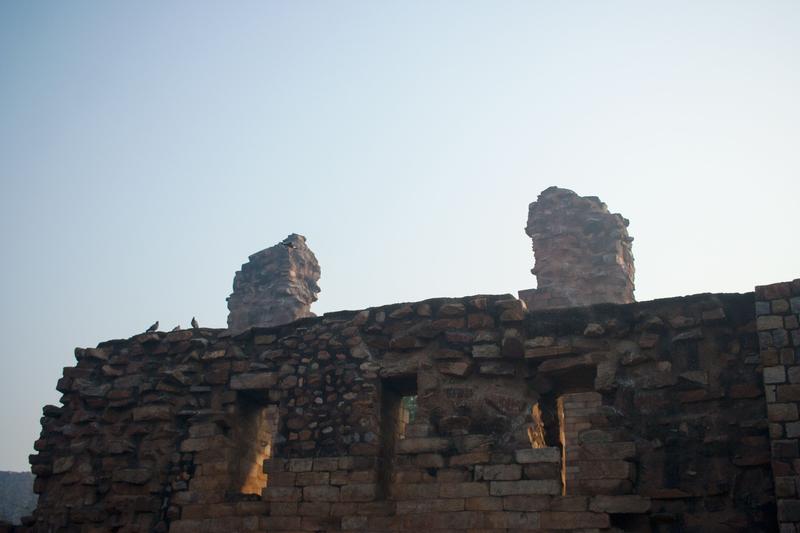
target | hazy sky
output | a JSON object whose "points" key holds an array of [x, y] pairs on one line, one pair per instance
{"points": [[147, 148]]}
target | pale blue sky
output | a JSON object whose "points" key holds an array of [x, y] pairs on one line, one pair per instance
{"points": [[147, 148]]}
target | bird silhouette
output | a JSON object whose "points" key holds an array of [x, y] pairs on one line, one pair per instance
{"points": [[152, 328], [288, 244], [176, 328], [194, 323]]}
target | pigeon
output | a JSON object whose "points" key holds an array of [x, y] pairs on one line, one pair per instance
{"points": [[288, 244], [195, 325], [176, 328], [152, 328]]}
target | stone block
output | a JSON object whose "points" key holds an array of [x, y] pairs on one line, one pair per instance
{"points": [[547, 351], [789, 510], [788, 393], [422, 445], [538, 455], [312, 478], [282, 494], [486, 351], [509, 472], [591, 451], [768, 322], [573, 520], [526, 503], [604, 469], [542, 471], [251, 381], [620, 504], [300, 465], [359, 492], [326, 464], [486, 503], [414, 491], [782, 412], [432, 505], [322, 493], [512, 520], [463, 490], [775, 374], [529, 486], [455, 368]]}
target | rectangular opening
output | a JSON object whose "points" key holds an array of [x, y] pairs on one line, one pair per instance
{"points": [[254, 434], [398, 410]]}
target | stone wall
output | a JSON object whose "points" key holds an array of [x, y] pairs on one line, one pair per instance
{"points": [[649, 417], [276, 286], [778, 317], [583, 252]]}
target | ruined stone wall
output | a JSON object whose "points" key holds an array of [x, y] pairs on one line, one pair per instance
{"points": [[778, 321], [583, 252], [652, 417], [276, 286]]}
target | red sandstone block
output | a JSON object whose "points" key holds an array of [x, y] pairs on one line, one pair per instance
{"points": [[573, 520]]}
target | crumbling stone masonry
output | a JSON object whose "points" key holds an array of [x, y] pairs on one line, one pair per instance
{"points": [[474, 414], [276, 286], [583, 252], [654, 419]]}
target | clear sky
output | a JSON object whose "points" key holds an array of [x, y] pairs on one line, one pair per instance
{"points": [[147, 148]]}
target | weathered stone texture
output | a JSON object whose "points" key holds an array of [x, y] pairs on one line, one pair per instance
{"points": [[778, 310], [276, 286], [583, 253], [169, 431]]}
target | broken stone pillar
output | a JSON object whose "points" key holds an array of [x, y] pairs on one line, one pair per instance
{"points": [[582, 252], [276, 286]]}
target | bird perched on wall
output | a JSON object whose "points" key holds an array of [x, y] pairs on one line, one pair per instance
{"points": [[176, 328], [288, 244], [195, 325], [152, 328]]}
